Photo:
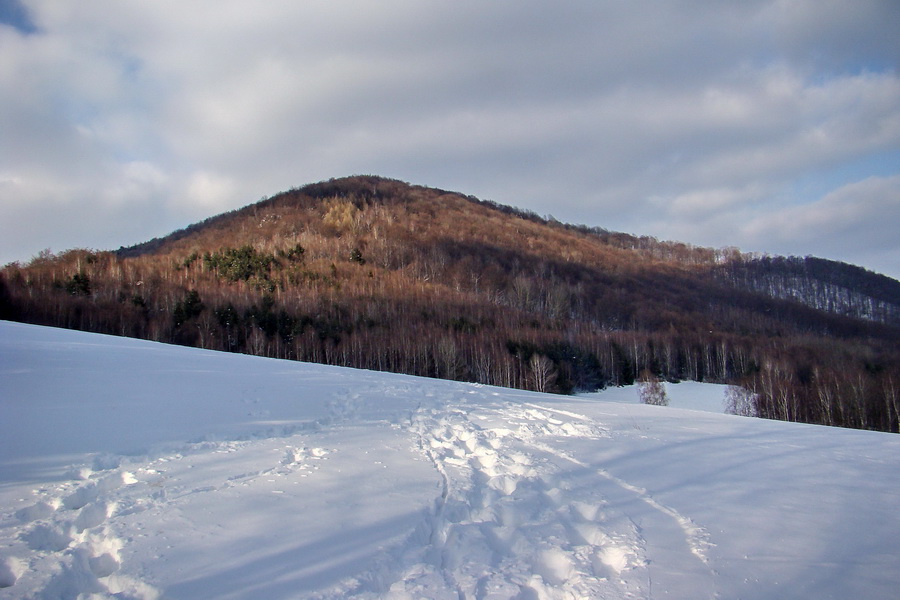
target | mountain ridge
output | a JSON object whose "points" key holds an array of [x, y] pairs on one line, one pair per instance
{"points": [[829, 272]]}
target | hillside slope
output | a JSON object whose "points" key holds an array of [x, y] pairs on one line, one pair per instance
{"points": [[380, 274], [139, 470]]}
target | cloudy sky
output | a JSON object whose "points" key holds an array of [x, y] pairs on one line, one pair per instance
{"points": [[770, 125]]}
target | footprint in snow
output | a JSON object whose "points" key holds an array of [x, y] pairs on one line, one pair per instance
{"points": [[71, 529], [37, 511], [11, 568]]}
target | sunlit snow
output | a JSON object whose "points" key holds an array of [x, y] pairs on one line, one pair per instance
{"points": [[136, 470]]}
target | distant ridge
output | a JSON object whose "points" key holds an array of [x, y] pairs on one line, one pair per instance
{"points": [[376, 273]]}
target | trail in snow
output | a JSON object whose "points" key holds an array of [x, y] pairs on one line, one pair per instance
{"points": [[513, 522], [517, 517]]}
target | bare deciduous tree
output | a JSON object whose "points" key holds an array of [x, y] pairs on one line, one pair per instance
{"points": [[740, 401], [543, 372], [652, 390]]}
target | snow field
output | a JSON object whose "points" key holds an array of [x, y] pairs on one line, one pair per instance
{"points": [[141, 471]]}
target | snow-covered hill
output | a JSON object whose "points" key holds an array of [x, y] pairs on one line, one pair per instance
{"points": [[131, 469]]}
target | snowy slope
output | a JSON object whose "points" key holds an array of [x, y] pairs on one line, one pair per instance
{"points": [[131, 469]]}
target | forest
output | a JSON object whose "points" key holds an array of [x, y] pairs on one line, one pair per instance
{"points": [[378, 274]]}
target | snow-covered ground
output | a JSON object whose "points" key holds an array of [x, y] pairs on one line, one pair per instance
{"points": [[131, 469]]}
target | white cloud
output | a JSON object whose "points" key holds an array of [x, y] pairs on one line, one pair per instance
{"points": [[206, 192], [810, 125], [868, 209], [703, 203]]}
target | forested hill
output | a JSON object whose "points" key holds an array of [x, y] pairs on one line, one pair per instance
{"points": [[379, 274]]}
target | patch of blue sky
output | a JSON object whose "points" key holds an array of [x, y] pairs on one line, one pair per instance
{"points": [[14, 15]]}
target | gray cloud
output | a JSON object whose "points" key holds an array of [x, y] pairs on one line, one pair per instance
{"points": [[685, 119]]}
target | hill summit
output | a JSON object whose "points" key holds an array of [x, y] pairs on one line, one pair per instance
{"points": [[379, 274]]}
